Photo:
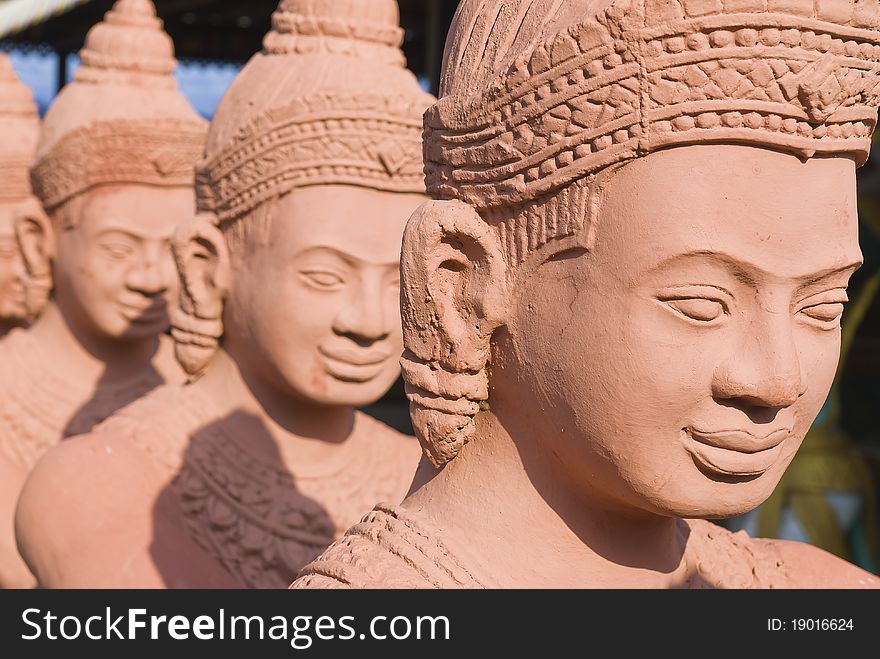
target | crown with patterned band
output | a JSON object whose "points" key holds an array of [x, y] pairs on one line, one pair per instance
{"points": [[123, 119], [21, 124], [159, 152], [642, 75], [340, 108], [373, 142]]}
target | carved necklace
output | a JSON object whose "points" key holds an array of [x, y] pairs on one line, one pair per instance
{"points": [[41, 406], [262, 523]]}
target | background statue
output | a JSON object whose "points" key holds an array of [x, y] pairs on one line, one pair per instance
{"points": [[624, 313], [114, 174], [20, 299], [288, 322]]}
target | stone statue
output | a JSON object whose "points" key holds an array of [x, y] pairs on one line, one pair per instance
{"points": [[114, 175], [21, 125], [623, 312], [289, 321]]}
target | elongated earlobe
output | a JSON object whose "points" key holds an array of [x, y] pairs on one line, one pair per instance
{"points": [[36, 242], [453, 297], [203, 266]]}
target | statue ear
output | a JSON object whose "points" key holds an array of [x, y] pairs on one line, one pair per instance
{"points": [[35, 236], [36, 239], [454, 286], [203, 267], [453, 297]]}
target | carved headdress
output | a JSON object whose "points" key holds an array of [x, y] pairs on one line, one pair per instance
{"points": [[123, 119], [540, 97], [21, 126], [328, 100], [569, 88]]}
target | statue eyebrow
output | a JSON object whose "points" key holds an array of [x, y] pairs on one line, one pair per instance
{"points": [[734, 265], [745, 272], [830, 272], [119, 230], [350, 259]]}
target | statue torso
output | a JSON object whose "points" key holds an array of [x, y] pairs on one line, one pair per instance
{"points": [[258, 518]]}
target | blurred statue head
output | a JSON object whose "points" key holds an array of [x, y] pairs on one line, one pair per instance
{"points": [[21, 298], [312, 168], [114, 173]]}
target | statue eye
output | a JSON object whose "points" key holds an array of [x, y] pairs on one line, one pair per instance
{"points": [[117, 251], [323, 279], [8, 249], [703, 310], [827, 313]]}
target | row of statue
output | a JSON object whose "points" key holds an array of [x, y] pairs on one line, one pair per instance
{"points": [[613, 256]]}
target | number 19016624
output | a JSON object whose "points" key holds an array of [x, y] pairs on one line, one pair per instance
{"points": [[810, 624]]}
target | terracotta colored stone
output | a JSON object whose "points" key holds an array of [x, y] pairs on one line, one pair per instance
{"points": [[602, 357], [18, 115], [288, 321], [114, 176]]}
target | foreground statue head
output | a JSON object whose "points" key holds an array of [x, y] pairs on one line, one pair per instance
{"points": [[20, 298], [625, 309], [114, 176], [288, 321]]}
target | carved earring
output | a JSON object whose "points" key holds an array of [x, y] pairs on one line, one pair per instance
{"points": [[196, 340], [199, 250]]}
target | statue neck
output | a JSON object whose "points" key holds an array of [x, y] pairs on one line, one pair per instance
{"points": [[531, 530], [304, 432], [90, 356]]}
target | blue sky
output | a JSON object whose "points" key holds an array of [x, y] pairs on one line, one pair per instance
{"points": [[203, 84]]}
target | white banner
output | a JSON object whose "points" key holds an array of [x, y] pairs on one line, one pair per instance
{"points": [[17, 15]]}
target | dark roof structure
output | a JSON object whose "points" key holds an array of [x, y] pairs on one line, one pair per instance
{"points": [[232, 30]]}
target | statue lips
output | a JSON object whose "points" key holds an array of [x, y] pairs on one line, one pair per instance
{"points": [[351, 365], [144, 314], [735, 452]]}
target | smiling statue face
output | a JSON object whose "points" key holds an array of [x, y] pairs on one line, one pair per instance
{"points": [[114, 272], [13, 307], [682, 360], [318, 304]]}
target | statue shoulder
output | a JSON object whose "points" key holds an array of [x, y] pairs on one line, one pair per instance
{"points": [[389, 548], [77, 493], [811, 567]]}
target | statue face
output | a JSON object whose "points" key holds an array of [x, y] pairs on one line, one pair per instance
{"points": [[13, 309], [114, 271], [676, 367], [316, 308]]}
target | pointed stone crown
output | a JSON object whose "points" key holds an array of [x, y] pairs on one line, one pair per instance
{"points": [[21, 126], [328, 101], [123, 119], [128, 46]]}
